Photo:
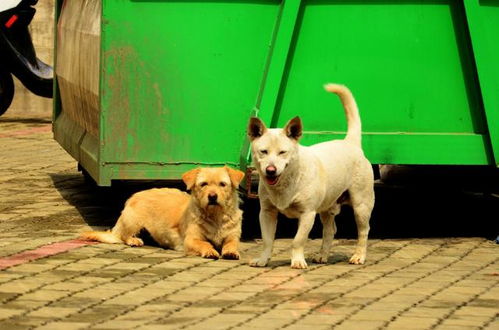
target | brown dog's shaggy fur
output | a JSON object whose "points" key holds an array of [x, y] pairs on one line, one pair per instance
{"points": [[207, 222]]}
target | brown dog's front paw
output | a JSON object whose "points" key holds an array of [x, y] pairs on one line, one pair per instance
{"points": [[134, 241], [231, 255], [210, 254]]}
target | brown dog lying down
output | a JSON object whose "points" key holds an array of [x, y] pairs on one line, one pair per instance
{"points": [[207, 222]]}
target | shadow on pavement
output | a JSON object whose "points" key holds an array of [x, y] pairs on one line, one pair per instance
{"points": [[100, 206], [411, 201], [415, 201]]}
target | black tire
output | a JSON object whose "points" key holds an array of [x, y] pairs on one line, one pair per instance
{"points": [[6, 91]]}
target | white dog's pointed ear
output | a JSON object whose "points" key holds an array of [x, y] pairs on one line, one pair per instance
{"points": [[236, 176], [189, 178], [294, 128], [256, 128]]}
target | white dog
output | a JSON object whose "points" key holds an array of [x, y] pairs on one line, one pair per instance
{"points": [[300, 182]]}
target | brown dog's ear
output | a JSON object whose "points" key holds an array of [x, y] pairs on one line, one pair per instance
{"points": [[294, 128], [256, 128], [236, 176], [189, 178]]}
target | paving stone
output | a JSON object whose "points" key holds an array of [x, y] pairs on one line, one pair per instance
{"points": [[224, 321], [70, 286], [159, 326], [486, 311], [6, 313], [15, 326], [96, 293], [374, 315], [200, 292], [44, 295], [301, 326], [426, 312], [118, 324], [360, 324], [80, 302], [135, 297], [89, 279], [127, 266], [98, 261], [454, 327], [80, 267], [406, 322], [19, 286], [65, 325], [95, 314], [33, 268], [167, 286], [25, 304], [49, 312], [8, 296]]}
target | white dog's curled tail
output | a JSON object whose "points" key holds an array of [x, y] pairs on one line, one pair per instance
{"points": [[354, 131]]}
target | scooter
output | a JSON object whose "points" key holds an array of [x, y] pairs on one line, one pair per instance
{"points": [[17, 53]]}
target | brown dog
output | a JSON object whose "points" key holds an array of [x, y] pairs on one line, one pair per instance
{"points": [[206, 222]]}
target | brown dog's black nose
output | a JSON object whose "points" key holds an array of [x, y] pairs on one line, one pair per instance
{"points": [[212, 198], [271, 171]]}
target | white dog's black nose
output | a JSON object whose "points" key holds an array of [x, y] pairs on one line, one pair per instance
{"points": [[212, 198], [271, 171]]}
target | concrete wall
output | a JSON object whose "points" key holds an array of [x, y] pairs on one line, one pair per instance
{"points": [[25, 103]]}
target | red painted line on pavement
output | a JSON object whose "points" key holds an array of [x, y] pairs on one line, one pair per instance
{"points": [[42, 252], [29, 131]]}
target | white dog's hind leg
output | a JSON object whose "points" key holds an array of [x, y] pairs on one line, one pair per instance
{"points": [[268, 224], [328, 232], [362, 214], [301, 237], [362, 201]]}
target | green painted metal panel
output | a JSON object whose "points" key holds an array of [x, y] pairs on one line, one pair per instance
{"points": [[407, 62], [278, 57], [178, 86], [275, 68]]}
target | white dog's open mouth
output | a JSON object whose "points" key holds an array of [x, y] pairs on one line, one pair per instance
{"points": [[271, 180]]}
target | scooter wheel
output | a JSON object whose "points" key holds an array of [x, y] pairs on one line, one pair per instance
{"points": [[6, 91]]}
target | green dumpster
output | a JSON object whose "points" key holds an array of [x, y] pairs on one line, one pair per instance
{"points": [[150, 89]]}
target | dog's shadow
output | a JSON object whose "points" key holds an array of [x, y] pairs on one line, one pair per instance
{"points": [[337, 258]]}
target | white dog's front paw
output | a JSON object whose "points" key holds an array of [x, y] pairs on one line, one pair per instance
{"points": [[358, 258], [320, 258], [299, 263], [259, 262]]}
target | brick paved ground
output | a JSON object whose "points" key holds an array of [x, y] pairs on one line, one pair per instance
{"points": [[51, 281]]}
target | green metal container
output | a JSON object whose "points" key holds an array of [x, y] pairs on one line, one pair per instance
{"points": [[178, 80]]}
